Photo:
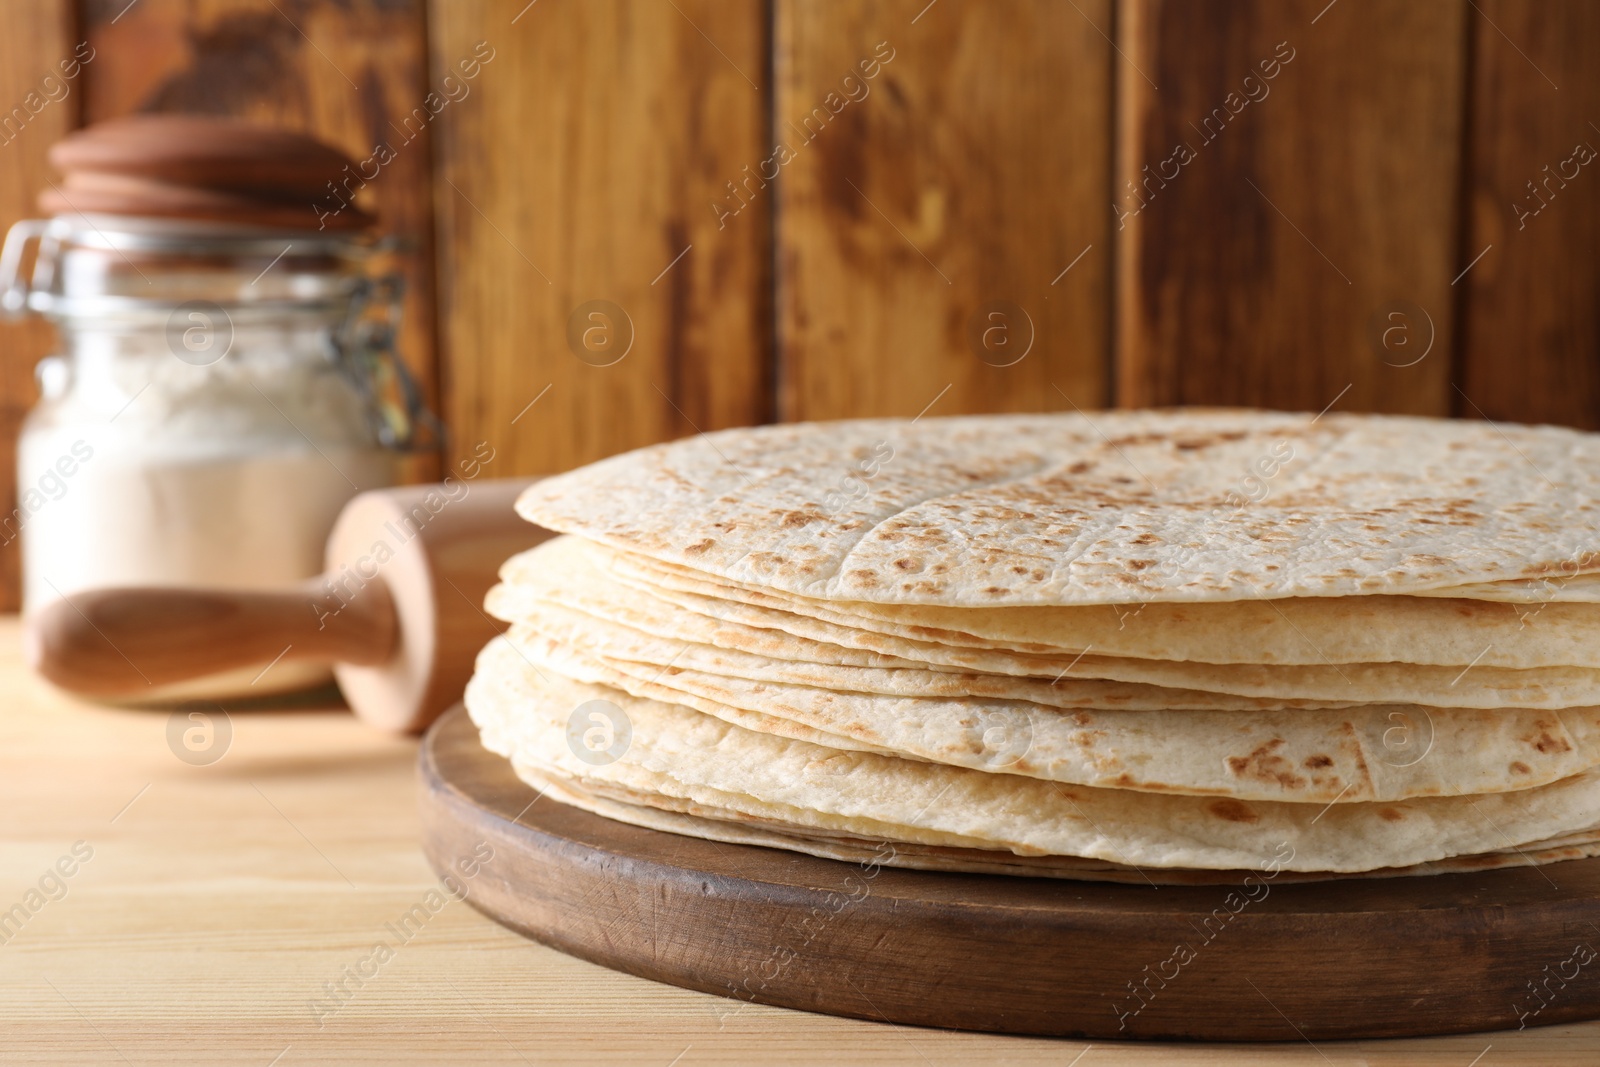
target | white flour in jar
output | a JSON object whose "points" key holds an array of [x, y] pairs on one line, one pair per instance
{"points": [[198, 522], [201, 480]]}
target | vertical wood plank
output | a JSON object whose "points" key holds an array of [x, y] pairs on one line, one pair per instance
{"points": [[935, 218], [34, 113], [354, 74], [587, 171], [1293, 235], [1532, 313]]}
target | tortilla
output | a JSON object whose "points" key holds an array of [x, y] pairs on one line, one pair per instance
{"points": [[1374, 752], [894, 678], [678, 754], [1530, 592], [1301, 630], [1160, 646], [714, 824], [1115, 508], [560, 572]]}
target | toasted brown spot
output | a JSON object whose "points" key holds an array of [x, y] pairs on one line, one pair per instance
{"points": [[1233, 811], [1136, 439], [700, 546], [1391, 815], [1145, 539], [1264, 764], [1521, 768], [1477, 861], [1318, 761], [1544, 742]]}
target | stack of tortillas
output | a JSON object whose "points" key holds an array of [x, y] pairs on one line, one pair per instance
{"points": [[1140, 645]]}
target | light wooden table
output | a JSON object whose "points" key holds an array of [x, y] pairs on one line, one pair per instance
{"points": [[218, 901]]}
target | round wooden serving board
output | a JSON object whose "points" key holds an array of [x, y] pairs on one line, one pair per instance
{"points": [[1354, 959]]}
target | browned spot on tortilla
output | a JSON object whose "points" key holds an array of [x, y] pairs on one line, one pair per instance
{"points": [[1521, 768], [1477, 861], [866, 578], [1079, 467], [1192, 444], [1318, 761], [906, 563], [1391, 815], [1264, 764], [700, 546], [1145, 539], [800, 518], [1233, 811], [1140, 564], [1353, 744], [1541, 739], [1136, 439]]}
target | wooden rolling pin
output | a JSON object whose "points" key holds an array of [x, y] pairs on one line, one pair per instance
{"points": [[399, 612]]}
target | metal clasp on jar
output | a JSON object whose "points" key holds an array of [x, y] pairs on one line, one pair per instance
{"points": [[367, 355], [19, 295]]}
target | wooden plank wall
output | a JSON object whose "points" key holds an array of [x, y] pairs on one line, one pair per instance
{"points": [[1283, 185], [798, 209], [926, 228], [580, 250], [1531, 321]]}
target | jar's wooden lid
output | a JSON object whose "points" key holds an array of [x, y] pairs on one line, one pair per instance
{"points": [[205, 167]]}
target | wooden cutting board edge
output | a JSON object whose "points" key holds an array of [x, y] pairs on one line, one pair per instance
{"points": [[1322, 961]]}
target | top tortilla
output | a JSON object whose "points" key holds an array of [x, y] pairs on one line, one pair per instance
{"points": [[1113, 507]]}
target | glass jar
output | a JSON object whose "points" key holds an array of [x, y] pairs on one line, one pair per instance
{"points": [[222, 392]]}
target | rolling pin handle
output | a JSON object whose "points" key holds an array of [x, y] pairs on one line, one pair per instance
{"points": [[126, 643]]}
